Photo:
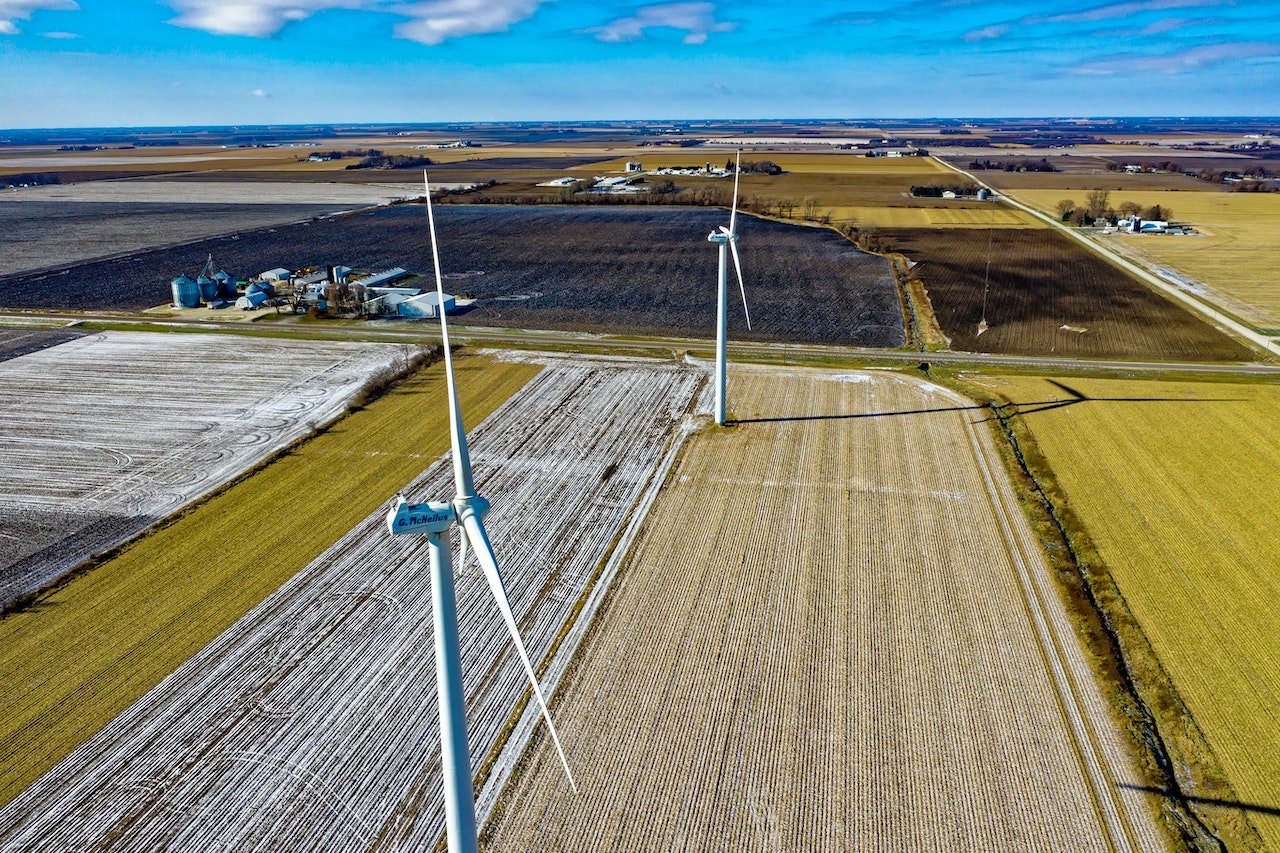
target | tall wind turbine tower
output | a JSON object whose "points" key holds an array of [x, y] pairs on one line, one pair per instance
{"points": [[727, 240], [434, 518]]}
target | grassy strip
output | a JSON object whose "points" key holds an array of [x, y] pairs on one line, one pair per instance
{"points": [[1167, 742], [76, 658]]}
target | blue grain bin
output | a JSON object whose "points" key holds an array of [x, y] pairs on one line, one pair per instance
{"points": [[264, 287], [186, 293], [208, 288], [226, 284]]}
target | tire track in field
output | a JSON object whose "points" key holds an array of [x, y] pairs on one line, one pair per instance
{"points": [[1071, 694]]}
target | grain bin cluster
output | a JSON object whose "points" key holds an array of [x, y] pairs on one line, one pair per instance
{"points": [[331, 290]]}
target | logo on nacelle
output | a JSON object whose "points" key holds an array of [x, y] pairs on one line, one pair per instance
{"points": [[430, 517]]}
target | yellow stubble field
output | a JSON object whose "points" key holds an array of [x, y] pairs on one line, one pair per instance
{"points": [[834, 633], [1175, 483]]}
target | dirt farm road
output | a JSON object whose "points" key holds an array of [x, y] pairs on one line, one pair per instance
{"points": [[537, 339]]}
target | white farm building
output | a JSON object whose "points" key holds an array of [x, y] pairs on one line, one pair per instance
{"points": [[425, 305]]}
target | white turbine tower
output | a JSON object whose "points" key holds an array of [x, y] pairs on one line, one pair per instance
{"points": [[434, 518], [727, 239]]}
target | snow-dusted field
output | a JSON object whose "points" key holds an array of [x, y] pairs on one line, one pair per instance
{"points": [[311, 724], [102, 435]]}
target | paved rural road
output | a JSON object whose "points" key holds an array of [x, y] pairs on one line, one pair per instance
{"points": [[518, 338], [1158, 282]]}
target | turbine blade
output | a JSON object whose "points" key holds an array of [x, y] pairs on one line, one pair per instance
{"points": [[737, 266], [462, 547], [489, 565], [733, 212], [457, 432]]}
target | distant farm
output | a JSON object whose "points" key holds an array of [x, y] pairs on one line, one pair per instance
{"points": [[633, 269]]}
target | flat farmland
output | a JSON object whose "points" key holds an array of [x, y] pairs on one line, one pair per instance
{"points": [[103, 435], [20, 341], [607, 269], [1175, 484], [61, 225], [967, 216], [1048, 295], [104, 638], [835, 632], [311, 722], [1237, 256]]}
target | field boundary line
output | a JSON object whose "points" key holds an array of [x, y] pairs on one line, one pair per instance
{"points": [[1159, 282], [558, 666], [1093, 762]]}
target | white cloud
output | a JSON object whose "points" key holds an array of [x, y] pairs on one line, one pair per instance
{"points": [[20, 10], [436, 20], [696, 19], [260, 93], [994, 31], [258, 18], [1180, 61], [428, 21], [58, 34]]}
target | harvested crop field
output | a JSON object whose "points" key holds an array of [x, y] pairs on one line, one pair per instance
{"points": [[105, 434], [835, 633], [602, 269], [20, 341], [162, 599], [1235, 259], [1175, 484], [1050, 296], [311, 723], [59, 234]]}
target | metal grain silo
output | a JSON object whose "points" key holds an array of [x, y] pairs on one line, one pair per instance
{"points": [[208, 288], [226, 284], [186, 293]]}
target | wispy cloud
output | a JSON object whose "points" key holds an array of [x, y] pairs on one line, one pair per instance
{"points": [[12, 11], [1190, 59], [428, 21], [260, 93], [994, 31], [697, 20], [1113, 11], [59, 34]]}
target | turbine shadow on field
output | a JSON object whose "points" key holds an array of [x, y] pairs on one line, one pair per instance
{"points": [[1206, 801], [854, 415], [1033, 407]]}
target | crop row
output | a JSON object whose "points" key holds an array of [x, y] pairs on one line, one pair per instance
{"points": [[104, 434], [614, 269], [1045, 295], [311, 723], [822, 642]]}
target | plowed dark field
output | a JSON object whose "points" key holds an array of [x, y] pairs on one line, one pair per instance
{"points": [[609, 269], [1048, 296]]}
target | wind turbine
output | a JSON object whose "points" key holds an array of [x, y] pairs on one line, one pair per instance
{"points": [[434, 518], [727, 239]]}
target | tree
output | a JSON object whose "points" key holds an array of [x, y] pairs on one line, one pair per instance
{"points": [[1129, 208], [1064, 208], [1080, 216], [1158, 212], [1097, 202], [809, 208]]}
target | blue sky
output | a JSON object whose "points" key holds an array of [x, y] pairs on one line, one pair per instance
{"points": [[164, 62]]}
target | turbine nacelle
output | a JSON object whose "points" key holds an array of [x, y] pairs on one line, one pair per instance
{"points": [[405, 518], [724, 235]]}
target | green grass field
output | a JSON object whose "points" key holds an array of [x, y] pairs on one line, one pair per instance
{"points": [[72, 662]]}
